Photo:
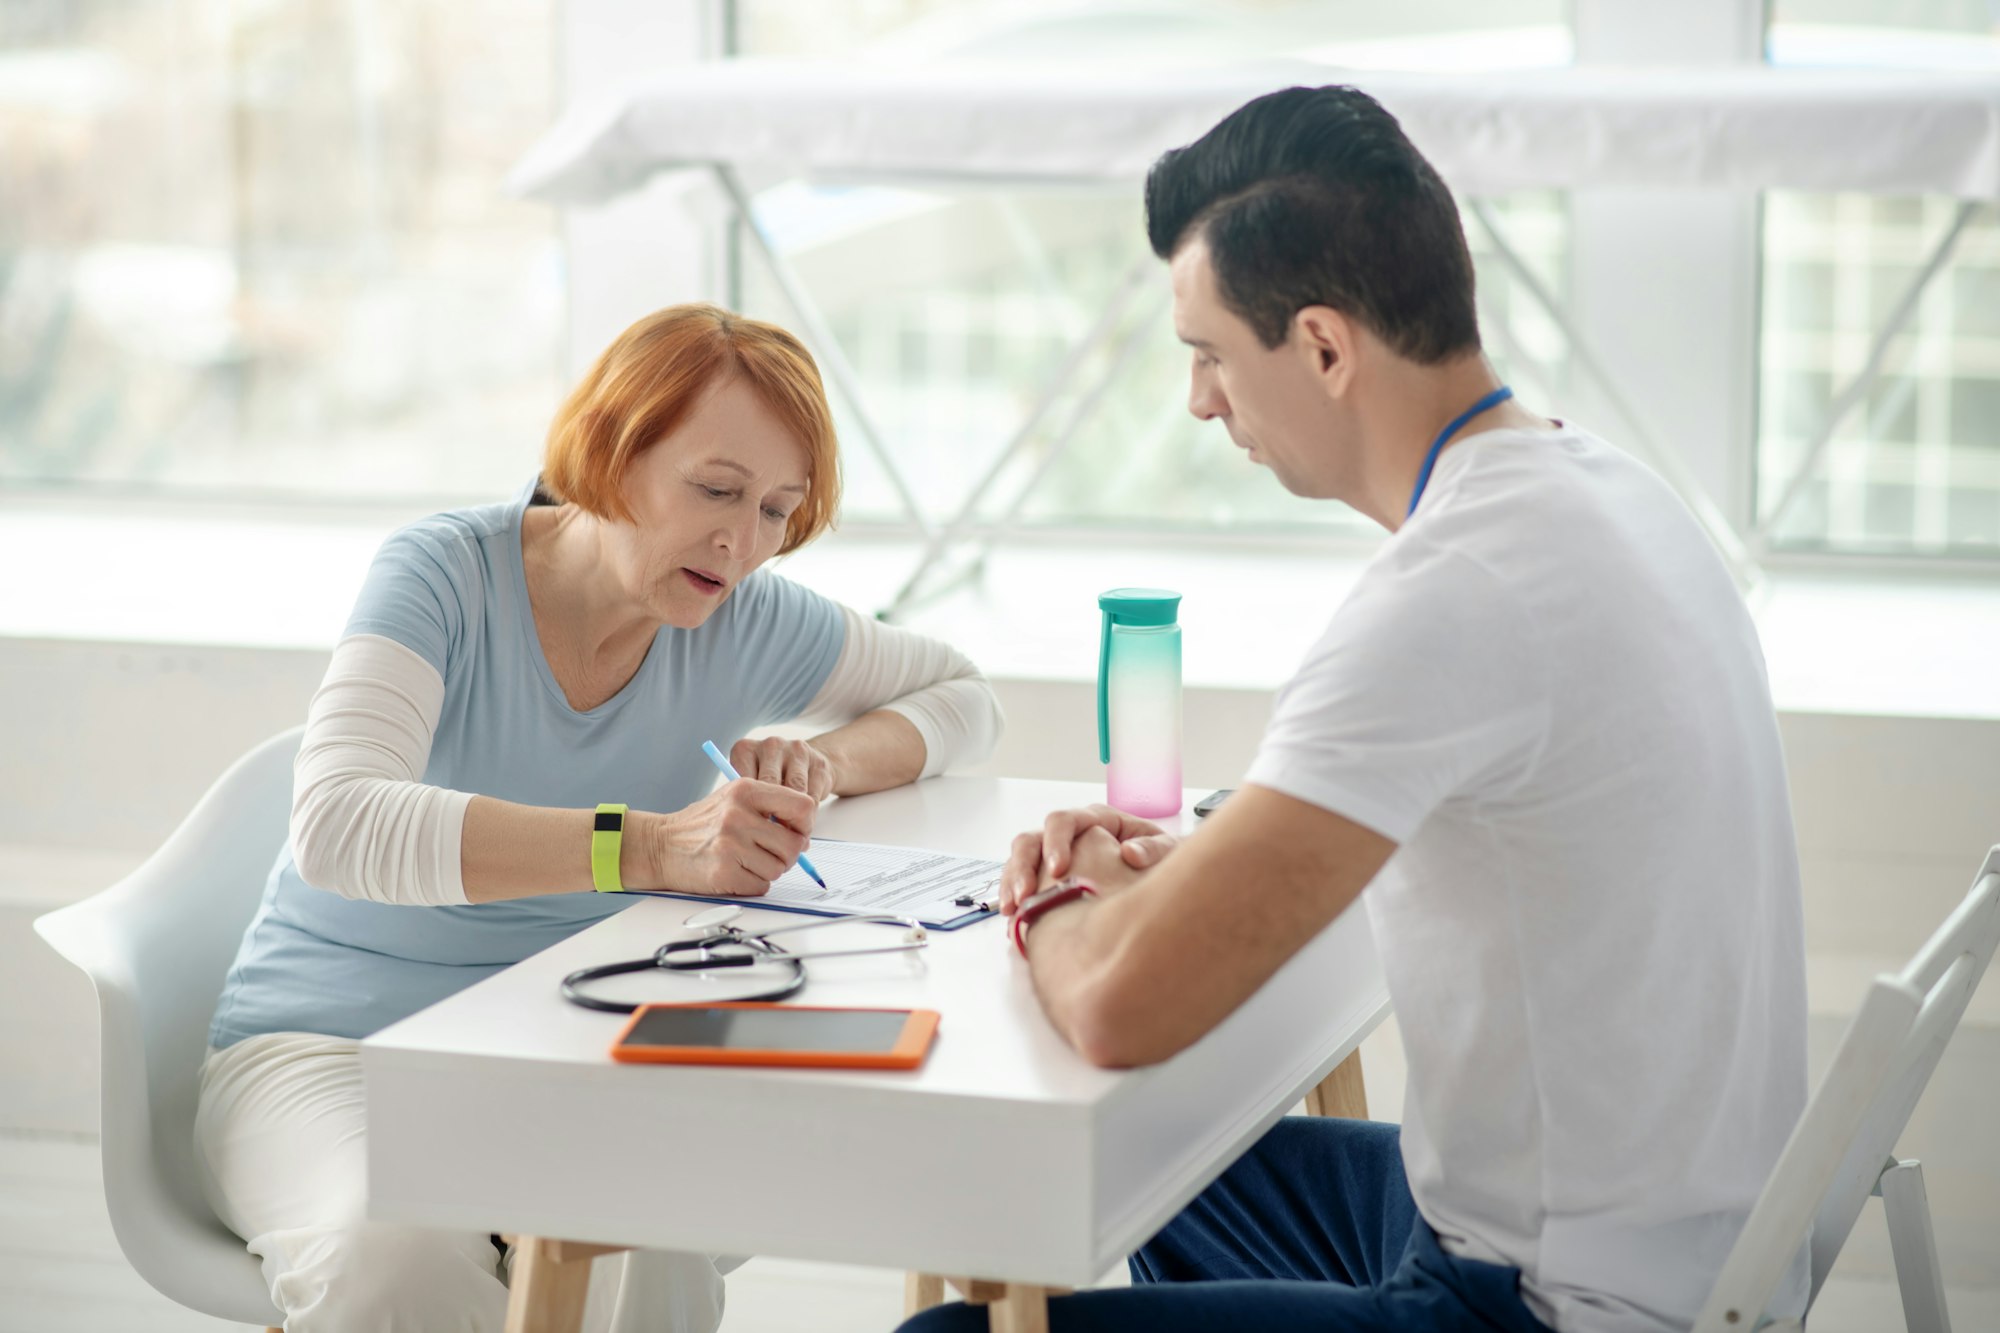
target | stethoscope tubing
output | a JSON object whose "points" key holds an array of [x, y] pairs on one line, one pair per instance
{"points": [[758, 950]]}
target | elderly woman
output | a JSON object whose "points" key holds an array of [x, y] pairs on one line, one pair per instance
{"points": [[508, 668]]}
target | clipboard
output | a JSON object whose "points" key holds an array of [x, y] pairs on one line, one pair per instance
{"points": [[940, 921], [970, 917]]}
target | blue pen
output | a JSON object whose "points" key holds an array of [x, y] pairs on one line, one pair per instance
{"points": [[721, 761]]}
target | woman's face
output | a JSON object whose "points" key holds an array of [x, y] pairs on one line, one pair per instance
{"points": [[710, 503]]}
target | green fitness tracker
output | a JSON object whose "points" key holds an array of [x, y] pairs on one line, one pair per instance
{"points": [[607, 837]]}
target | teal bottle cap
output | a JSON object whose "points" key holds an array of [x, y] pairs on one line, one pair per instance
{"points": [[1140, 606]]}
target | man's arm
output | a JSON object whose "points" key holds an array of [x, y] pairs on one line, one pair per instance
{"points": [[1142, 973]]}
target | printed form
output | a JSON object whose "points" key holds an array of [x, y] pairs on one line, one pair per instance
{"points": [[873, 877]]}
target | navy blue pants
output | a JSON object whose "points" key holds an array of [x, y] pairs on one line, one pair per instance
{"points": [[1313, 1229]]}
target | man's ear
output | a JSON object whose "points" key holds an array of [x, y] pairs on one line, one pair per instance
{"points": [[1325, 339]]}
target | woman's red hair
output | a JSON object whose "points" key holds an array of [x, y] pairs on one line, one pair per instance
{"points": [[644, 384]]}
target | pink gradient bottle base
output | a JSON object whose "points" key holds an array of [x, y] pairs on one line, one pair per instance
{"points": [[1139, 701]]}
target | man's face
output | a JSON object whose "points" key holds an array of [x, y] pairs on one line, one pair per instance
{"points": [[1267, 398]]}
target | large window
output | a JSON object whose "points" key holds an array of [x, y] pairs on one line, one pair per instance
{"points": [[1914, 468], [956, 307], [262, 249]]}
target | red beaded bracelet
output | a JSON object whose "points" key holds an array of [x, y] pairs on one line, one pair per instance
{"points": [[1054, 896]]}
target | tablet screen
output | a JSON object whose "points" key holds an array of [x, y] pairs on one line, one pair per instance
{"points": [[770, 1029]]}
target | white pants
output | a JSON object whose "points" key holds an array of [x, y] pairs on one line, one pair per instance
{"points": [[280, 1139]]}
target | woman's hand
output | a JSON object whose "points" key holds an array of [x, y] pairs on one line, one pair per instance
{"points": [[728, 842], [1142, 844], [796, 764]]}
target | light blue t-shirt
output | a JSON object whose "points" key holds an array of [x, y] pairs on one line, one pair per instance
{"points": [[451, 588]]}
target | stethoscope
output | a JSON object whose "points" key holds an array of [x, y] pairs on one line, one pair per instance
{"points": [[717, 945]]}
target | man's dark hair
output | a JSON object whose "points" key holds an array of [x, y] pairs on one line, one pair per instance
{"points": [[1314, 196]]}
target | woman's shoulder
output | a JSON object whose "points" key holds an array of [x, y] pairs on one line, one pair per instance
{"points": [[450, 528], [452, 542], [434, 577]]}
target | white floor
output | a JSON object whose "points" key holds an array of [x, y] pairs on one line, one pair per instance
{"points": [[60, 1270]]}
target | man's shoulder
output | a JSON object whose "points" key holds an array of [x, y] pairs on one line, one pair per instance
{"points": [[1538, 509], [1511, 480]]}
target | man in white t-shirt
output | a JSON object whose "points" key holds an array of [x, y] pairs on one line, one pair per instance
{"points": [[1537, 734]]}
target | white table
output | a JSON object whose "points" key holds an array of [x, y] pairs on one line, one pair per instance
{"points": [[1005, 1156]]}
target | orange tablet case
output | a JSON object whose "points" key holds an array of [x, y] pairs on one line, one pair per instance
{"points": [[912, 1043]]}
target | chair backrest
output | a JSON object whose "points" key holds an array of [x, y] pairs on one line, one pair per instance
{"points": [[157, 946], [1849, 1130]]}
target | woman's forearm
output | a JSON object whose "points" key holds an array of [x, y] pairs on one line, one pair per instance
{"points": [[875, 751], [522, 851]]}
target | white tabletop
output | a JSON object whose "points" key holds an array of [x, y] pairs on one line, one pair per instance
{"points": [[1004, 1156], [1750, 127]]}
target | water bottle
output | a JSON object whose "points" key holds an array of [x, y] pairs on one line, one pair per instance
{"points": [[1139, 700]]}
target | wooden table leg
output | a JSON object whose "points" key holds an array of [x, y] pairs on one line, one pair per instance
{"points": [[978, 1290], [1011, 1307], [551, 1280], [920, 1292], [1022, 1309], [1341, 1093]]}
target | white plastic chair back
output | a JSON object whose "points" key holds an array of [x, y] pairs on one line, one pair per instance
{"points": [[1848, 1133], [157, 945]]}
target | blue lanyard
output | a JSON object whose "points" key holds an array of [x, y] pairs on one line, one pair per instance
{"points": [[1494, 399]]}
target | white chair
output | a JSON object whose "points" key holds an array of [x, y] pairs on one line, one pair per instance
{"points": [[157, 945], [1843, 1148]]}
